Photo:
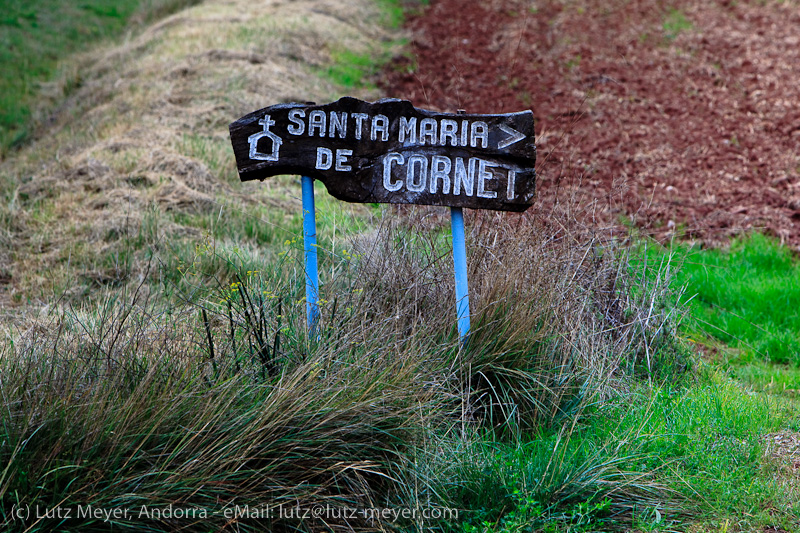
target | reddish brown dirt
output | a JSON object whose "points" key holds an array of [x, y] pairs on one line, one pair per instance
{"points": [[681, 116]]}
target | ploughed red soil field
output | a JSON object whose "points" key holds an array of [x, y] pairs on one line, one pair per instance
{"points": [[680, 117]]}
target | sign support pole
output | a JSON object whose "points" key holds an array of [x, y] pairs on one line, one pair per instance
{"points": [[460, 269], [374, 152], [310, 253]]}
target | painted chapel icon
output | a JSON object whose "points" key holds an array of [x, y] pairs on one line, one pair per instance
{"points": [[254, 138]]}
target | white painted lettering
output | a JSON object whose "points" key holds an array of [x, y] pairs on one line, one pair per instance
{"points": [[341, 160], [512, 178], [359, 118], [427, 130], [464, 131], [483, 175], [479, 132], [436, 173], [440, 171], [447, 132], [408, 127], [297, 126], [324, 158], [338, 123], [464, 178], [380, 123], [412, 184], [316, 120], [388, 184]]}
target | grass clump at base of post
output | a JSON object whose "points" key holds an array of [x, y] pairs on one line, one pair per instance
{"points": [[225, 400], [126, 412]]}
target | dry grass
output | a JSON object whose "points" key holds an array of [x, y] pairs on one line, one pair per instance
{"points": [[782, 461], [123, 404], [86, 428], [557, 321], [144, 127], [163, 360]]}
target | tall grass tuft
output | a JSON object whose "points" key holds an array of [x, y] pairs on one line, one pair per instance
{"points": [[156, 432], [225, 400]]}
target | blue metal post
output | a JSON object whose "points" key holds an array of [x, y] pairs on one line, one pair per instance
{"points": [[310, 253], [460, 268]]}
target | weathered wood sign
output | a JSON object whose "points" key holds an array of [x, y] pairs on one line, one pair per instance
{"points": [[391, 152]]}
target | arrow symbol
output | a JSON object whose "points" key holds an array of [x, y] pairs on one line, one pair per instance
{"points": [[515, 136]]}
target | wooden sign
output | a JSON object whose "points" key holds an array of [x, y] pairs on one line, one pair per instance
{"points": [[391, 152]]}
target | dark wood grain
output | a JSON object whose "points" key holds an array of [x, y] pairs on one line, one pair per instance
{"points": [[391, 152]]}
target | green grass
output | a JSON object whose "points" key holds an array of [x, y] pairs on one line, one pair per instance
{"points": [[764, 376], [675, 23], [352, 70], [218, 395], [393, 13], [706, 444], [654, 459], [558, 482], [744, 301], [36, 35], [748, 297]]}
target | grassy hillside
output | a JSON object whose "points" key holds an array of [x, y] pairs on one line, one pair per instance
{"points": [[35, 36], [139, 152]]}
